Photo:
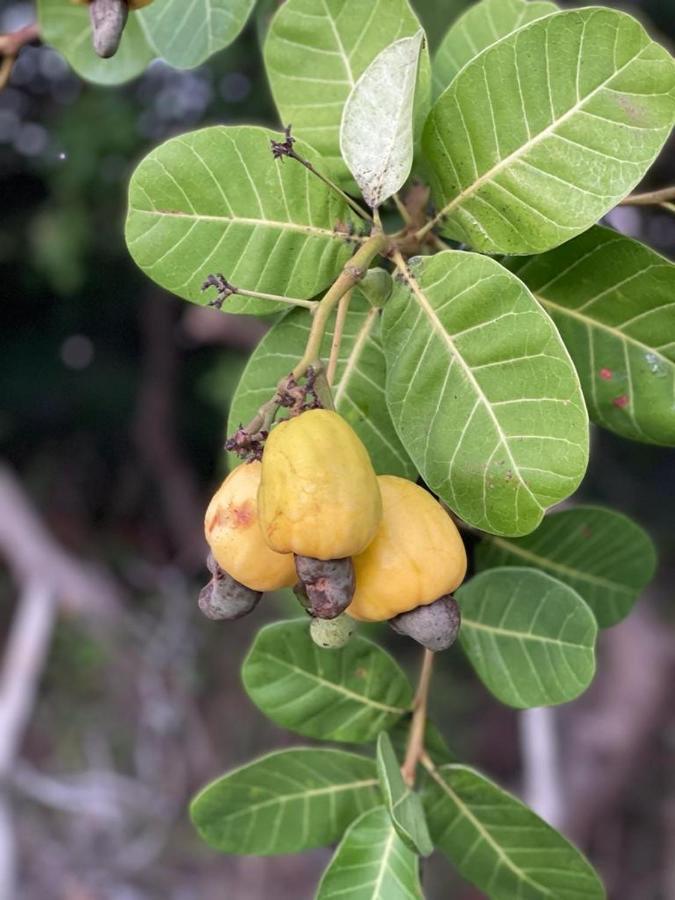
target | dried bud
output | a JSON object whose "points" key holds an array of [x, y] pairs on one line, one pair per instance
{"points": [[434, 626], [331, 634], [108, 18], [328, 584], [225, 599]]}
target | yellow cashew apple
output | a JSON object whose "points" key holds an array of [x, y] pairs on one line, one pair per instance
{"points": [[319, 495], [232, 531], [416, 557]]}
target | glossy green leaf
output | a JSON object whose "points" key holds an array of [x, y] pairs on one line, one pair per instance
{"points": [[403, 804], [216, 201], [376, 134], [371, 863], [500, 845], [358, 387], [603, 555], [314, 54], [481, 26], [349, 694], [482, 392], [288, 801], [67, 28], [613, 300], [545, 131], [530, 638], [185, 34]]}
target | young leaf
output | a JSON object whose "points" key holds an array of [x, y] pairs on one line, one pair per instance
{"points": [[376, 135], [482, 392], [67, 28], [481, 26], [216, 201], [288, 801], [613, 300], [600, 553], [403, 804], [500, 845], [186, 34], [530, 638], [545, 131], [314, 54], [371, 863], [349, 694], [358, 386]]}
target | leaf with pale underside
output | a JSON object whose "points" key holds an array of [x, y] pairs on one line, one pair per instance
{"points": [[530, 638], [214, 201], [288, 801], [358, 386], [482, 25], [613, 300], [605, 556], [376, 134], [545, 131], [349, 694], [500, 845], [315, 52], [402, 803], [482, 392], [371, 863]]}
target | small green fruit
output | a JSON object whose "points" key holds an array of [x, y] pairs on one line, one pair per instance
{"points": [[331, 634]]}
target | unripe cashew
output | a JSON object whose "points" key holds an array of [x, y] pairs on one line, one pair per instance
{"points": [[434, 626]]}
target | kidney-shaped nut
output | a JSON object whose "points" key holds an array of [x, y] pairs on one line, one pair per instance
{"points": [[328, 585], [225, 599], [434, 626], [232, 531], [319, 495], [416, 556]]}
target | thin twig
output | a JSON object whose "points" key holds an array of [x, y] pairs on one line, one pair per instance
{"points": [[340, 320], [415, 748], [10, 46], [649, 198], [403, 212]]}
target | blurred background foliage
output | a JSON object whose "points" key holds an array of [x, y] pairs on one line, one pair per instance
{"points": [[113, 402]]}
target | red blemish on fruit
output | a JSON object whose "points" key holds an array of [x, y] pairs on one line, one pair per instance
{"points": [[606, 374], [233, 516], [621, 401]]}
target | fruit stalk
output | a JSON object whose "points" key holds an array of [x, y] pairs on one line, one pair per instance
{"points": [[415, 747]]}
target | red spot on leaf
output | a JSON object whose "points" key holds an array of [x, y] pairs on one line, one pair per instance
{"points": [[606, 374], [621, 401]]}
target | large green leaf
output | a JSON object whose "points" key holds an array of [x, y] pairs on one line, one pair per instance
{"points": [[186, 34], [216, 201], [481, 26], [613, 300], [68, 29], [371, 863], [500, 845], [288, 801], [482, 392], [545, 131], [359, 380], [315, 52], [530, 638], [603, 555], [402, 803], [349, 694]]}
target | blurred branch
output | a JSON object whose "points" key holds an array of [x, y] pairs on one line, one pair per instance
{"points": [[649, 198], [10, 46], [542, 787]]}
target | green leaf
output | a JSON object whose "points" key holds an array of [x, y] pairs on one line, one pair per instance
{"points": [[545, 131], [603, 555], [376, 134], [358, 386], [434, 742], [216, 201], [314, 54], [613, 300], [67, 28], [530, 638], [288, 801], [186, 34], [403, 804], [500, 845], [482, 392], [349, 694], [371, 863], [481, 26]]}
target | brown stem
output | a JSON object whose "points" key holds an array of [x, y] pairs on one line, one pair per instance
{"points": [[337, 336], [10, 45], [415, 750], [649, 198]]}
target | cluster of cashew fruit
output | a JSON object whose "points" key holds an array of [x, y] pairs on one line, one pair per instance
{"points": [[108, 18], [313, 515]]}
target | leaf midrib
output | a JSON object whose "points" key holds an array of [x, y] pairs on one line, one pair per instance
{"points": [[310, 792], [358, 347], [527, 636]]}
